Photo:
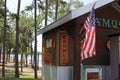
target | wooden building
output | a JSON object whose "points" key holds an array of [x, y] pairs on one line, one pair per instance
{"points": [[62, 41]]}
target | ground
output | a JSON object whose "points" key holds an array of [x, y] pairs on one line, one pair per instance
{"points": [[28, 72]]}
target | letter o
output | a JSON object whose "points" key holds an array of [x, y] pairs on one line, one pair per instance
{"points": [[114, 23]]}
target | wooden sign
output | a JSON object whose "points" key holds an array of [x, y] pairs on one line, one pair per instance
{"points": [[47, 55], [63, 49]]}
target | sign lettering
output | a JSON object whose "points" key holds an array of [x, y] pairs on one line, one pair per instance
{"points": [[107, 23]]}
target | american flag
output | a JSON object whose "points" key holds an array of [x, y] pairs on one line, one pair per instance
{"points": [[89, 46]]}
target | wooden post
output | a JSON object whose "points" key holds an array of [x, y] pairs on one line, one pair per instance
{"points": [[76, 55]]}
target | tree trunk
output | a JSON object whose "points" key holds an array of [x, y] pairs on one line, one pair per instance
{"points": [[4, 42], [26, 57], [46, 13], [38, 61], [22, 62], [35, 54], [56, 13], [7, 57], [17, 41], [9, 52], [31, 54], [0, 55]]}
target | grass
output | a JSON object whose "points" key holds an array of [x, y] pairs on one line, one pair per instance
{"points": [[27, 74], [8, 73], [23, 75]]}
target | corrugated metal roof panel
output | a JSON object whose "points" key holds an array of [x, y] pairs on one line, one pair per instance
{"points": [[85, 9]]}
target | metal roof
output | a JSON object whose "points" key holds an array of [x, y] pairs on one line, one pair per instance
{"points": [[74, 14]]}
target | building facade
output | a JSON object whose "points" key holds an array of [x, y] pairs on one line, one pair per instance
{"points": [[62, 43]]}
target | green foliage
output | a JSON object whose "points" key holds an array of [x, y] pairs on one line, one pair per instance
{"points": [[1, 3], [2, 11], [26, 32], [12, 16], [1, 21], [10, 38], [1, 8], [66, 6]]}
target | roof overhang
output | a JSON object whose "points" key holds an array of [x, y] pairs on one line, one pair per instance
{"points": [[76, 13]]}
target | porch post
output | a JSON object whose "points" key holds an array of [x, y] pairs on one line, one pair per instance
{"points": [[76, 54]]}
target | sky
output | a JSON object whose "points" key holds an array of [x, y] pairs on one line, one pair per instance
{"points": [[12, 6]]}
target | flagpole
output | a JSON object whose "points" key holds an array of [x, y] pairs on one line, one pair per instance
{"points": [[95, 3]]}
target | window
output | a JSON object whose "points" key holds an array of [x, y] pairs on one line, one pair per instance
{"points": [[48, 43]]}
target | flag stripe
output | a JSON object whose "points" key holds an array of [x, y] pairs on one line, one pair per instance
{"points": [[93, 44], [90, 34], [88, 47]]}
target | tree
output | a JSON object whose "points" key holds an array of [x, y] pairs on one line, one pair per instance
{"points": [[1, 35], [4, 37], [40, 17], [2, 8], [56, 10], [10, 41], [37, 25], [46, 13], [35, 54], [1, 24], [17, 41], [26, 29], [62, 8]]}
